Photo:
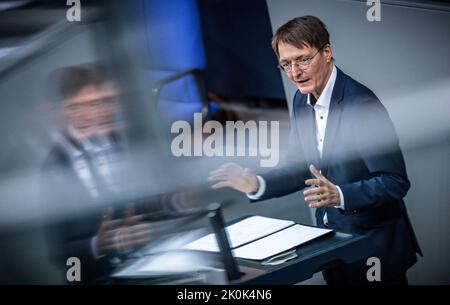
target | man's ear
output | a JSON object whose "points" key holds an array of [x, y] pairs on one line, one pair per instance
{"points": [[328, 52]]}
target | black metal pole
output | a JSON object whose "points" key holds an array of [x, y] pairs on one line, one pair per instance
{"points": [[216, 218]]}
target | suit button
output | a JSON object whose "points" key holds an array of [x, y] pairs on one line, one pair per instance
{"points": [[354, 211]]}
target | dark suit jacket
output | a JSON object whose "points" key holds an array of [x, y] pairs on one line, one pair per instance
{"points": [[71, 234], [362, 156]]}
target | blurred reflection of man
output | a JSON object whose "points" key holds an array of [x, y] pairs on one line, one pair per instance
{"points": [[341, 135], [90, 156]]}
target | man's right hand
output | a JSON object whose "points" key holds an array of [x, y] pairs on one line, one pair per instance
{"points": [[236, 177], [123, 234]]}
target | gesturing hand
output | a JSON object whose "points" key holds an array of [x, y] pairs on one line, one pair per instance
{"points": [[236, 177], [325, 193], [123, 235]]}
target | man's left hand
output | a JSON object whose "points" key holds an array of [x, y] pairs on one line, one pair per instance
{"points": [[324, 194]]}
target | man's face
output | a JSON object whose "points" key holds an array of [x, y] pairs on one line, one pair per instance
{"points": [[313, 78], [92, 110]]}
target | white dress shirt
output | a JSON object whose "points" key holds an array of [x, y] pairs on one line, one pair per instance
{"points": [[104, 158], [321, 109]]}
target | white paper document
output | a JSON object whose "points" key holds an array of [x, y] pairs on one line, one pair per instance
{"points": [[280, 258], [158, 265], [167, 264], [241, 233], [279, 242]]}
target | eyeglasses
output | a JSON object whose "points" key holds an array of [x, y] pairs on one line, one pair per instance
{"points": [[93, 104], [299, 63]]}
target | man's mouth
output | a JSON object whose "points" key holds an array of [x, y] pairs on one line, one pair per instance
{"points": [[302, 81], [82, 125]]}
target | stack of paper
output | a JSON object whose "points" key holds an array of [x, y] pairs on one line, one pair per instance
{"points": [[240, 233], [279, 242], [260, 237]]}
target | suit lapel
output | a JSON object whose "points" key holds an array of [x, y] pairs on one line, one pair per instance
{"points": [[334, 114]]}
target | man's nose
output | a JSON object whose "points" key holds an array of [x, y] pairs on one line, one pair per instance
{"points": [[296, 72]]}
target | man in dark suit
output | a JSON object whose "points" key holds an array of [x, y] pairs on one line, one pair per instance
{"points": [[85, 170], [342, 135]]}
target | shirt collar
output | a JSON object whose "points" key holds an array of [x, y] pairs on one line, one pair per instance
{"points": [[89, 145], [325, 97]]}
